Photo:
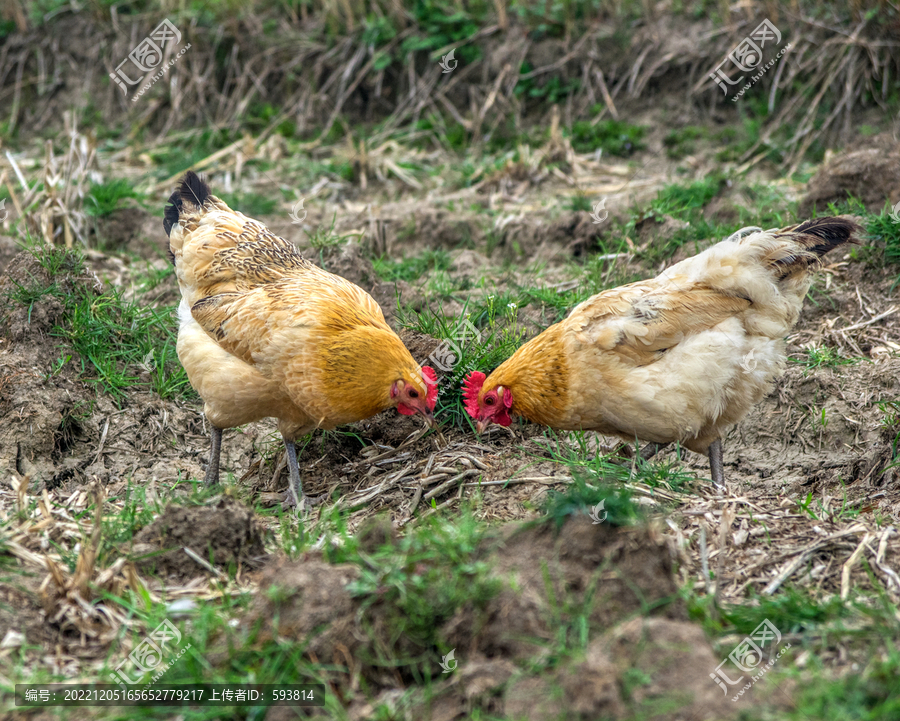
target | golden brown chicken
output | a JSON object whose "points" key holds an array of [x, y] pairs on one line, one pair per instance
{"points": [[677, 358], [264, 332]]}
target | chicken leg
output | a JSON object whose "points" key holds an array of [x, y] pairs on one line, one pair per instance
{"points": [[295, 484], [717, 463], [215, 448], [651, 449]]}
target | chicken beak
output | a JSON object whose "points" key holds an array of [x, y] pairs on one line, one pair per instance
{"points": [[481, 425], [429, 419]]}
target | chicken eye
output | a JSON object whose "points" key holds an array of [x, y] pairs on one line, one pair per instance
{"points": [[489, 401], [414, 393]]}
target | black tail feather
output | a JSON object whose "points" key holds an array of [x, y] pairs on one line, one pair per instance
{"points": [[816, 237], [193, 190], [824, 234]]}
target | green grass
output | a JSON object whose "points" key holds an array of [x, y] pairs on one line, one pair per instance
{"points": [[585, 460], [250, 204], [824, 357], [105, 198], [405, 590], [582, 497], [424, 577], [412, 268], [683, 141], [883, 227], [114, 338], [688, 203], [612, 136], [187, 149], [498, 336]]}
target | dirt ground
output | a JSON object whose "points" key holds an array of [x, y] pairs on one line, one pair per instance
{"points": [[64, 438]]}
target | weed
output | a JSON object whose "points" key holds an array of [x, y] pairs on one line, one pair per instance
{"points": [[494, 318], [322, 238], [251, 204], [411, 269], [423, 578], [583, 456], [105, 198], [116, 338], [682, 141], [582, 497], [884, 227], [822, 357], [579, 203], [612, 136]]}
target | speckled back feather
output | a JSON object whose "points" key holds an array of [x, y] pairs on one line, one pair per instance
{"points": [[287, 325]]}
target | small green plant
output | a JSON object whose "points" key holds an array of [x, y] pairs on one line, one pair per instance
{"points": [[420, 580], [595, 498], [116, 338], [682, 141], [481, 338], [681, 201], [890, 411], [322, 237], [612, 136], [886, 227], [579, 202], [550, 90], [413, 268], [804, 506], [250, 204], [823, 357], [106, 198]]}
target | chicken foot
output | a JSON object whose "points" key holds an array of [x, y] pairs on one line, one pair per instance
{"points": [[296, 497], [295, 485], [651, 449], [716, 460], [215, 449], [717, 463]]}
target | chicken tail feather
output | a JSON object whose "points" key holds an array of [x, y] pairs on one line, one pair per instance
{"points": [[194, 191], [810, 241]]}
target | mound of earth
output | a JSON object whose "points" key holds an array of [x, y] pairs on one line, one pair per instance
{"points": [[606, 571], [609, 573], [648, 668], [44, 414], [224, 535], [868, 171]]}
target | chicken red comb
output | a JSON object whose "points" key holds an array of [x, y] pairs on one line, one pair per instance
{"points": [[471, 388], [431, 382]]}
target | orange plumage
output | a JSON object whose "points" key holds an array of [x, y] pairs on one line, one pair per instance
{"points": [[265, 333], [677, 358]]}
